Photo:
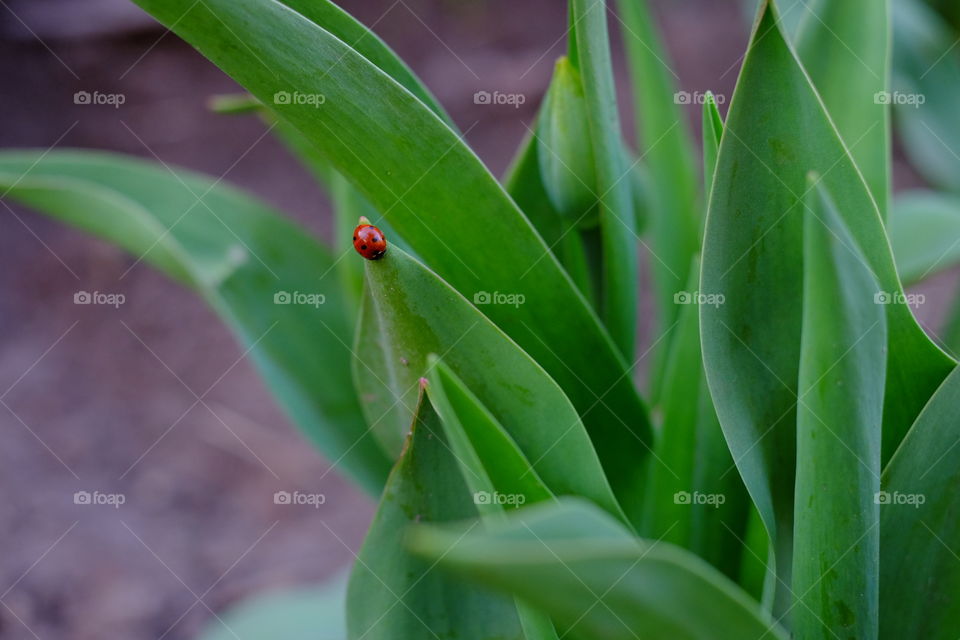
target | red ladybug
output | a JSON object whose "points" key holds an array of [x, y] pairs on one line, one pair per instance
{"points": [[369, 241]]}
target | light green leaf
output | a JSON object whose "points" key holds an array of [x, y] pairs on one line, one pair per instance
{"points": [[434, 191], [775, 133], [925, 233], [919, 532], [238, 254], [595, 579], [301, 613], [845, 48], [620, 277], [836, 538], [417, 314], [394, 594]]}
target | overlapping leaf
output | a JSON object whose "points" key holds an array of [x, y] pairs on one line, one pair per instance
{"points": [[595, 579], [394, 594]]}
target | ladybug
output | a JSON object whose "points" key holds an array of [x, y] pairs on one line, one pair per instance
{"points": [[369, 241]]}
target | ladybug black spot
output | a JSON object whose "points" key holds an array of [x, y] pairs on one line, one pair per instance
{"points": [[363, 247]]}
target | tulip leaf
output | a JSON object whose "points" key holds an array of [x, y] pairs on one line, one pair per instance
{"points": [[836, 536], [395, 594], [595, 579], [269, 281], [920, 525]]}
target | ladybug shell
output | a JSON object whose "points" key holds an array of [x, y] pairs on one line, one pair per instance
{"points": [[369, 242]]}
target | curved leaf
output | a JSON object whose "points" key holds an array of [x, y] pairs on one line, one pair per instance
{"points": [[836, 536], [919, 518], [238, 254], [433, 190], [775, 133], [394, 594], [595, 579]]}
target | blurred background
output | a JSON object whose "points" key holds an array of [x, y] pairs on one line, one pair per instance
{"points": [[153, 400]]}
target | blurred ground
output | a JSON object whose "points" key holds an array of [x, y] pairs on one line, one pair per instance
{"points": [[102, 399]]}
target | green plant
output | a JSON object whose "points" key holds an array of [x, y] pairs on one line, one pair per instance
{"points": [[805, 427]]}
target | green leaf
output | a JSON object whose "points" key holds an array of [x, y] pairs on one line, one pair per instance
{"points": [[919, 532], [434, 191], [394, 594], [300, 613], [836, 536], [595, 579], [925, 233], [619, 299], [775, 133], [845, 48], [494, 468], [926, 83], [666, 145], [418, 314], [695, 498], [236, 253], [491, 460]]}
